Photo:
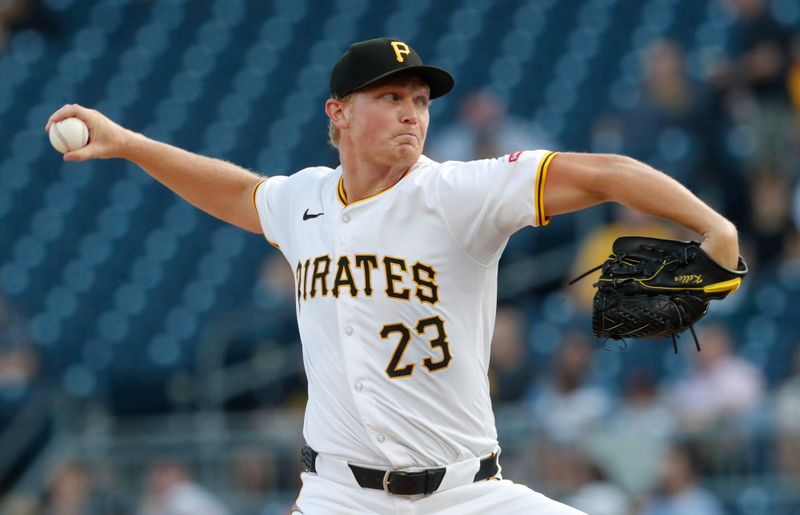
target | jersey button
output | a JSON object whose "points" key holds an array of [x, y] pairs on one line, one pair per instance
{"points": [[345, 218], [348, 330], [381, 438], [358, 387], [342, 241]]}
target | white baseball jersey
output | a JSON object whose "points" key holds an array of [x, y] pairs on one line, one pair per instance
{"points": [[396, 296]]}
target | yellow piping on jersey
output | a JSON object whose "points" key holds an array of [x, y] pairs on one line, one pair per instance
{"points": [[340, 191], [343, 196], [541, 177], [255, 189]]}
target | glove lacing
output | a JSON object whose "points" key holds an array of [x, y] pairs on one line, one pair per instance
{"points": [[671, 263]]}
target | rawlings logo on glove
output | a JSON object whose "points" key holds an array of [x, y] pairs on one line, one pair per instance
{"points": [[689, 279]]}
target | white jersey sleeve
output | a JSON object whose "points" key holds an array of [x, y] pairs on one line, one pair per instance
{"points": [[269, 197], [484, 202]]}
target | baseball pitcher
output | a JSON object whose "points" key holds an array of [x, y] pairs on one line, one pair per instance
{"points": [[395, 258]]}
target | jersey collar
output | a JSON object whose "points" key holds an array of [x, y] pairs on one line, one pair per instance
{"points": [[341, 195]]}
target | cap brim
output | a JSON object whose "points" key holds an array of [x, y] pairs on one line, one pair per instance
{"points": [[438, 80]]}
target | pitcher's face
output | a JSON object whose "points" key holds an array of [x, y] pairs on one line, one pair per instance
{"points": [[388, 122]]}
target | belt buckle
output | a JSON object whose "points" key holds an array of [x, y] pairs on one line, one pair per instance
{"points": [[388, 473]]}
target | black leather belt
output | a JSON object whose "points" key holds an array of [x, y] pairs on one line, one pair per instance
{"points": [[401, 481]]}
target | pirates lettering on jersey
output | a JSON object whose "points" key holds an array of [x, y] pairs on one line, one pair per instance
{"points": [[368, 263], [346, 278], [305, 280], [299, 280], [320, 275], [426, 282], [391, 264]]}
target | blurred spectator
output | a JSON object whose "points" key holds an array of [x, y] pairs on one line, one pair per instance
{"points": [[632, 441], [558, 470], [15, 14], [597, 495], [596, 247], [720, 391], [790, 262], [755, 84], [69, 492], [667, 126], [19, 362], [260, 336], [171, 491], [18, 504], [786, 412], [679, 493], [72, 492], [794, 82], [641, 411], [510, 368], [253, 470], [21, 387], [567, 405], [484, 130], [791, 250], [760, 50], [253, 476], [275, 286], [771, 218], [18, 371]]}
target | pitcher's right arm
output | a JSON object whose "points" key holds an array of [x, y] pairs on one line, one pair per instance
{"points": [[219, 188]]}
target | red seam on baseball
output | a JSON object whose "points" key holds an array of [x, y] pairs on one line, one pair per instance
{"points": [[61, 137]]}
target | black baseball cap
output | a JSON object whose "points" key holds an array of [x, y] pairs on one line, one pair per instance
{"points": [[367, 62]]}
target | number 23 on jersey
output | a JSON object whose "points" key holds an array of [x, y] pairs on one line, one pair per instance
{"points": [[431, 328]]}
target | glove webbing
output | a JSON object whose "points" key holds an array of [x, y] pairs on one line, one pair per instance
{"points": [[684, 260]]}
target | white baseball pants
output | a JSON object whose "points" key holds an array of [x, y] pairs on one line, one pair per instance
{"points": [[321, 496]]}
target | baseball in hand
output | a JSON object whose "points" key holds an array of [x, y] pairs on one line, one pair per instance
{"points": [[69, 134]]}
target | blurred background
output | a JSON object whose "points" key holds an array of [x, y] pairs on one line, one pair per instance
{"points": [[149, 356]]}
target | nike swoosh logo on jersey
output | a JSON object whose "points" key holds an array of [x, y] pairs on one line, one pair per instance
{"points": [[307, 216]]}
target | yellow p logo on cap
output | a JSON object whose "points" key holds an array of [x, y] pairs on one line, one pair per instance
{"points": [[400, 49]]}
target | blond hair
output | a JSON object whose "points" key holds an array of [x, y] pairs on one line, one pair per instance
{"points": [[333, 134]]}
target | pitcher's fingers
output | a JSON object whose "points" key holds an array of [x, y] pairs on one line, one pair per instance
{"points": [[81, 154], [66, 111]]}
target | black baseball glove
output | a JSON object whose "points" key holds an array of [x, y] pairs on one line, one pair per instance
{"points": [[654, 288]]}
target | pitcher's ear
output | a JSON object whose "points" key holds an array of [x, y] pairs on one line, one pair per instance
{"points": [[336, 109]]}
